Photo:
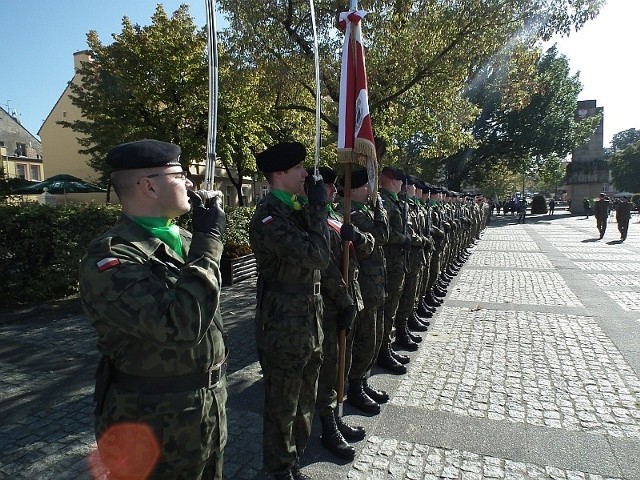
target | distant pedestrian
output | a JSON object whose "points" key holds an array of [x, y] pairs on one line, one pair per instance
{"points": [[623, 215], [552, 206], [522, 211], [587, 206], [602, 213]]}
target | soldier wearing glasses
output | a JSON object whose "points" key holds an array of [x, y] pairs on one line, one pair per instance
{"points": [[152, 290]]}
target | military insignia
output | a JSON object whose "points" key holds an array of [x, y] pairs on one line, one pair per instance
{"points": [[107, 263], [267, 220]]}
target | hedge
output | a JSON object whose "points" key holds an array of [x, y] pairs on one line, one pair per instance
{"points": [[41, 246]]}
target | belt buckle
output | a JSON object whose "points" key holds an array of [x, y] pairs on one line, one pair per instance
{"points": [[316, 288], [216, 374], [214, 378]]}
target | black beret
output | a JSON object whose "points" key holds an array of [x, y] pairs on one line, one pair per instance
{"points": [[425, 187], [328, 174], [143, 154], [281, 156], [359, 178], [412, 180], [394, 173]]}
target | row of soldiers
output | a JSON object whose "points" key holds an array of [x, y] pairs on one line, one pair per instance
{"points": [[152, 291], [405, 245]]}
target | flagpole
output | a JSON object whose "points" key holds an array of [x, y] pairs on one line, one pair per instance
{"points": [[342, 334], [317, 79], [212, 51]]}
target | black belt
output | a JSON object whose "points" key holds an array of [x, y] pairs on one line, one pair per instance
{"points": [[182, 383], [304, 288]]}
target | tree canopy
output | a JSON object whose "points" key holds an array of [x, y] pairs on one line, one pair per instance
{"points": [[434, 67], [625, 167]]}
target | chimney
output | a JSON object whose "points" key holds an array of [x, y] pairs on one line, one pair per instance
{"points": [[79, 57]]}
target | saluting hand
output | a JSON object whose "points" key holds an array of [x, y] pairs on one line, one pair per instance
{"points": [[208, 215]]}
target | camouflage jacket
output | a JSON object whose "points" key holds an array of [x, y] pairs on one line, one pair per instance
{"points": [[291, 247], [373, 273], [336, 295], [155, 313], [393, 249]]}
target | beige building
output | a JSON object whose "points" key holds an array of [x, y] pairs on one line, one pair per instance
{"points": [[61, 149]]}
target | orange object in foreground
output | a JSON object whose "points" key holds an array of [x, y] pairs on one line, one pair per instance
{"points": [[129, 450]]}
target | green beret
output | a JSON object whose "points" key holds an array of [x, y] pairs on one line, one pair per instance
{"points": [[143, 154], [281, 156]]}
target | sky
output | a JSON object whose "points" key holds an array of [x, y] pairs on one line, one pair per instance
{"points": [[38, 39]]}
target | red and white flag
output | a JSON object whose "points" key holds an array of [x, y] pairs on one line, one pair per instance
{"points": [[355, 133]]}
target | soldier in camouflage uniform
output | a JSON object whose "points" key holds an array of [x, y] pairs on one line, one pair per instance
{"points": [[151, 290], [416, 261], [342, 300], [368, 329], [289, 238], [391, 180]]}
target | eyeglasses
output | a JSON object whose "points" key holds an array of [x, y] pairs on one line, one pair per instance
{"points": [[183, 175]]}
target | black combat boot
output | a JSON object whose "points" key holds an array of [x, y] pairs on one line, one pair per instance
{"points": [[423, 310], [414, 336], [432, 300], [349, 432], [357, 397], [297, 473], [415, 324], [439, 292], [333, 440], [400, 357], [404, 340], [379, 396], [388, 362]]}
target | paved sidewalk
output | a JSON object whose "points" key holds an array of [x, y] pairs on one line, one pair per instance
{"points": [[530, 370]]}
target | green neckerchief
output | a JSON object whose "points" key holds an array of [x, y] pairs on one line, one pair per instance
{"points": [[361, 206], [419, 201], [162, 229], [392, 194], [330, 208], [294, 201]]}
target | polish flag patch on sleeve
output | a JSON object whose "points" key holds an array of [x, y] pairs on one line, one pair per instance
{"points": [[267, 220], [107, 263]]}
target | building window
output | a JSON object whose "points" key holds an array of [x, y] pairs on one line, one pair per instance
{"points": [[21, 171], [35, 172], [229, 190], [21, 150], [245, 194], [264, 190]]}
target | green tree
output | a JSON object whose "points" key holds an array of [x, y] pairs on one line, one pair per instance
{"points": [[625, 168], [550, 174], [525, 133], [622, 140], [150, 82], [420, 56]]}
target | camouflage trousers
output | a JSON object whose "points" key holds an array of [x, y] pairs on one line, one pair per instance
{"points": [[327, 397], [407, 302], [394, 286], [368, 332], [163, 436], [290, 382]]}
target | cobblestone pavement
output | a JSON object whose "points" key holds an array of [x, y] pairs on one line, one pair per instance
{"points": [[530, 371]]}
